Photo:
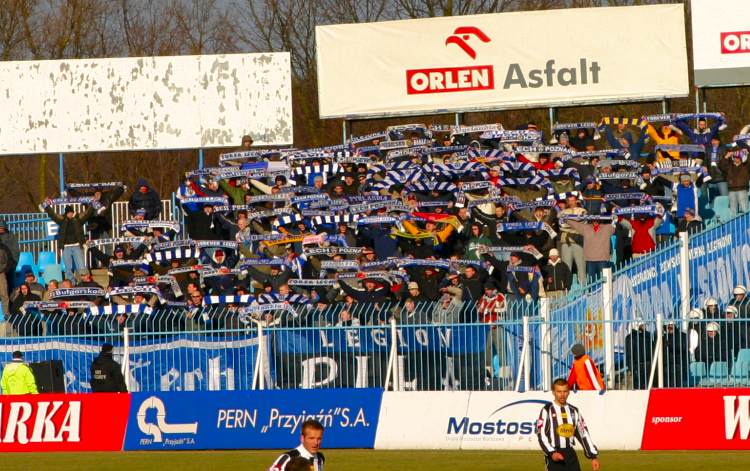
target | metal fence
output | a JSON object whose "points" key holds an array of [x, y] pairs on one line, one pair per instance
{"points": [[33, 229], [390, 346]]}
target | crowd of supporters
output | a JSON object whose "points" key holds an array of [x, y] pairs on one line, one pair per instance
{"points": [[410, 217]]}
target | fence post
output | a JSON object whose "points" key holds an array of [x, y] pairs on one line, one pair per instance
{"points": [[61, 172], [545, 344], [685, 299], [126, 356], [259, 371], [607, 308], [523, 363], [659, 356], [393, 358]]}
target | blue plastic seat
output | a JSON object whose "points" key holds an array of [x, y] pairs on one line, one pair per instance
{"points": [[698, 372], [46, 258], [53, 271], [718, 374], [721, 208], [25, 259]]}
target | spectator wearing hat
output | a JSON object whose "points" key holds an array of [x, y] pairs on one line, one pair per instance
{"points": [[690, 223], [584, 375], [70, 236], [736, 167], [686, 196], [146, 198], [741, 301], [414, 293], [106, 373], [18, 377], [734, 332], [639, 345], [712, 346], [557, 276]]}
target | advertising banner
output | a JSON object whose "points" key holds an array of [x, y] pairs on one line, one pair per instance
{"points": [[500, 61], [140, 103], [430, 357], [63, 422], [503, 420], [251, 419], [698, 419], [720, 260], [180, 363], [721, 42]]}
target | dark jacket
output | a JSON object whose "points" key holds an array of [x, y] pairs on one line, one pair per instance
{"points": [[71, 229], [557, 277], [101, 222], [149, 201], [737, 176], [201, 226], [676, 356], [106, 375]]}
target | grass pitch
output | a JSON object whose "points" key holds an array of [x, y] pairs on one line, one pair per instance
{"points": [[367, 460]]}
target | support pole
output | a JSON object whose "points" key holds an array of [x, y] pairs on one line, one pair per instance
{"points": [[545, 346], [552, 119], [660, 357], [393, 358], [685, 298], [697, 101], [608, 314], [344, 131], [200, 159], [527, 357], [458, 119], [61, 172], [126, 356], [664, 106]]}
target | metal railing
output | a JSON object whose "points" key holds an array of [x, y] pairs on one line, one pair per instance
{"points": [[33, 230]]}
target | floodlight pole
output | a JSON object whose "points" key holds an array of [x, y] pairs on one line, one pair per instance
{"points": [[200, 159], [61, 172]]}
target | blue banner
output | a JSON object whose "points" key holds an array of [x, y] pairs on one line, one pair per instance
{"points": [[454, 340], [251, 419], [720, 260], [179, 363]]}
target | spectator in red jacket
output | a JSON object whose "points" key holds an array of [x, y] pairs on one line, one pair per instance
{"points": [[643, 227]]}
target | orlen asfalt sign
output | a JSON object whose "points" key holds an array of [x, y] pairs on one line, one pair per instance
{"points": [[721, 42], [500, 61], [63, 422]]}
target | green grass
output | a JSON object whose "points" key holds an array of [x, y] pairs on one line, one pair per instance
{"points": [[366, 460]]}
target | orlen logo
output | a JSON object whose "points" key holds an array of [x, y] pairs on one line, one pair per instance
{"points": [[736, 417], [161, 426], [500, 427], [454, 79], [735, 43], [463, 34], [42, 422]]}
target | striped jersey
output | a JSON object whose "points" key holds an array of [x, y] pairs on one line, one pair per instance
{"points": [[559, 426], [317, 460]]}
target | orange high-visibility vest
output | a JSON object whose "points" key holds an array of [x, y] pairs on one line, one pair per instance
{"points": [[585, 376]]}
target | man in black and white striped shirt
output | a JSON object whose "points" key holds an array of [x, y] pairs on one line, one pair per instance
{"points": [[309, 449], [558, 427]]}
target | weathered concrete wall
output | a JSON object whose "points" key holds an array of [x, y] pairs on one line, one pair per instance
{"points": [[144, 103]]}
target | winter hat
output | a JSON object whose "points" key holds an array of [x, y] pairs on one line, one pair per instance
{"points": [[577, 350], [69, 209], [413, 285], [107, 347], [554, 252]]}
